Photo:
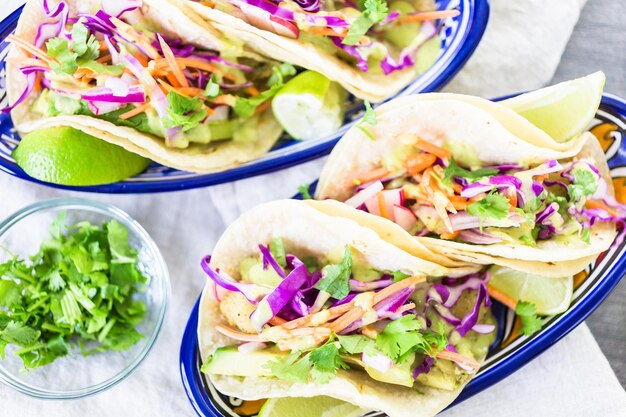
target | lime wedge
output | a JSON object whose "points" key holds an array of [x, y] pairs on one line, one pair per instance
{"points": [[562, 110], [309, 106], [67, 156], [550, 295], [309, 407]]}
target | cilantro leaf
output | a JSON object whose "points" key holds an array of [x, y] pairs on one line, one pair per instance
{"points": [[585, 184], [326, 361], [279, 73], [369, 117], [245, 107], [84, 44], [291, 368], [453, 170], [19, 334], [278, 251], [59, 48], [336, 278], [212, 89], [375, 12], [527, 312], [9, 293], [494, 205], [402, 337], [185, 112], [356, 344], [304, 191]]}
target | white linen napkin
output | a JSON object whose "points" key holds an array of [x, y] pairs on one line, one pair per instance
{"points": [[573, 378]]}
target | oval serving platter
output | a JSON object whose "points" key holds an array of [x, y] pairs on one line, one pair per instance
{"points": [[460, 36], [511, 350]]}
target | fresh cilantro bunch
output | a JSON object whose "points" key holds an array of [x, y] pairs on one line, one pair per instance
{"points": [[78, 289], [531, 323]]}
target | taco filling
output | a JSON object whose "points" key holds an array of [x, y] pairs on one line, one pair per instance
{"points": [[103, 65], [424, 190], [373, 35], [306, 318]]}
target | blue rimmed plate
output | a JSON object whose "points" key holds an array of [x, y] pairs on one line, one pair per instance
{"points": [[460, 36], [510, 351]]}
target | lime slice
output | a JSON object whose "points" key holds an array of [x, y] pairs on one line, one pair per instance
{"points": [[309, 106], [550, 295], [562, 110], [67, 156], [309, 407]]}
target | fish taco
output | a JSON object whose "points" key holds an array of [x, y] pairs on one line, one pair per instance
{"points": [[339, 312], [474, 181], [144, 76]]}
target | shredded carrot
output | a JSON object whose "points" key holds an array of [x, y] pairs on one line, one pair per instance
{"points": [[397, 286], [262, 107], [173, 64], [253, 91], [502, 297], [104, 58], [459, 203], [455, 357], [133, 35], [103, 46], [142, 59], [237, 335], [449, 236], [369, 332], [423, 16], [381, 205], [477, 197], [326, 31], [32, 49], [511, 194], [84, 73], [434, 149], [541, 178], [372, 175], [27, 62], [417, 163], [37, 86], [196, 63], [134, 112], [277, 321], [346, 320], [595, 204], [227, 99], [208, 4], [324, 315]]}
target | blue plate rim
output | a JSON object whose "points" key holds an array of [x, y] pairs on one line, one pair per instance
{"points": [[478, 18], [497, 372]]}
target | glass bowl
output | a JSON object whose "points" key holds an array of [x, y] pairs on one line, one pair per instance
{"points": [[76, 376]]}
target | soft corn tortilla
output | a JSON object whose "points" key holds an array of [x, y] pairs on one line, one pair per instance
{"points": [[365, 85], [164, 17], [473, 129], [306, 230]]}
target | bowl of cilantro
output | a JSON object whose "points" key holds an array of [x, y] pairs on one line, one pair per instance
{"points": [[83, 296]]}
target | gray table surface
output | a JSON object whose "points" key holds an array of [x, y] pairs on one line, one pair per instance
{"points": [[599, 43]]}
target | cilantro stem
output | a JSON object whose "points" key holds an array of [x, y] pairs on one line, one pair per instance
{"points": [[105, 330], [30, 348], [52, 328], [38, 304], [22, 275]]}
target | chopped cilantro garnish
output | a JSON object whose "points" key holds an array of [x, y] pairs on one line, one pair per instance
{"points": [[304, 191], [59, 48], [336, 278], [404, 336], [279, 73], [245, 107], [585, 184], [494, 205], [278, 251], [84, 44], [83, 51], [375, 11], [212, 89], [320, 364], [78, 289], [186, 112], [369, 117], [453, 170], [527, 312], [357, 343]]}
